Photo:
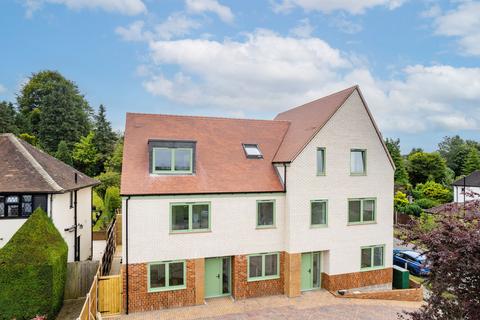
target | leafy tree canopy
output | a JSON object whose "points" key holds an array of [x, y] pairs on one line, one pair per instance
{"points": [[55, 109], [63, 153], [85, 155], [401, 175], [433, 191], [8, 118], [472, 161], [454, 150], [423, 166]]}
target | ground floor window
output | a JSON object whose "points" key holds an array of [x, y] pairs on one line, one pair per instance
{"points": [[372, 257], [263, 266], [169, 275], [20, 205]]}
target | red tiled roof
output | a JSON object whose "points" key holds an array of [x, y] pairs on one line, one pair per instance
{"points": [[25, 168], [306, 121], [221, 164]]}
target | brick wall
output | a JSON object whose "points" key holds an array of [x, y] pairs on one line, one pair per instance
{"points": [[412, 294], [142, 300], [356, 279], [241, 288]]}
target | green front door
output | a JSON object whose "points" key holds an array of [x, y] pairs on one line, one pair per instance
{"points": [[217, 277], [310, 271]]}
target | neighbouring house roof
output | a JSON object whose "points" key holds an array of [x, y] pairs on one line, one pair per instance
{"points": [[24, 168], [471, 206], [220, 163], [472, 180]]}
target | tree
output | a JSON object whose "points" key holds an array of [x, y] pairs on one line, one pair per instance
{"points": [[63, 154], [423, 166], [85, 155], [7, 118], [104, 138], [107, 179], [472, 162], [112, 200], [452, 247], [432, 191], [454, 150], [114, 163], [55, 109], [401, 175]]}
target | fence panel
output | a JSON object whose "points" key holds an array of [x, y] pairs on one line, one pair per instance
{"points": [[80, 275], [110, 295]]}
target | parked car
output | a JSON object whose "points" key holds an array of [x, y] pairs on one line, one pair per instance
{"points": [[415, 262]]}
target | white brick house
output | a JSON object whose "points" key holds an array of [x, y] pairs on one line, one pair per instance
{"points": [[215, 206]]}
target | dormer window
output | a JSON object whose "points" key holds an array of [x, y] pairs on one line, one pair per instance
{"points": [[252, 151], [172, 157]]}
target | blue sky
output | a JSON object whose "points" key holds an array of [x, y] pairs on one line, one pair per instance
{"points": [[417, 62]]}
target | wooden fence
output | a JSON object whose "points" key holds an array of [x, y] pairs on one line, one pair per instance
{"points": [[105, 294], [80, 276]]}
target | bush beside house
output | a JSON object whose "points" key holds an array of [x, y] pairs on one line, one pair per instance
{"points": [[33, 266]]}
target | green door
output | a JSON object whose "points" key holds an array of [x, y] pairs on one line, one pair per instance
{"points": [[217, 277], [310, 271], [213, 277]]}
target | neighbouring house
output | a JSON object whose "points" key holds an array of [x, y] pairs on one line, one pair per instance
{"points": [[467, 188], [245, 208], [32, 179]]}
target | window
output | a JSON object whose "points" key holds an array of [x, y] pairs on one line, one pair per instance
{"points": [[320, 161], [358, 162], [164, 276], [172, 160], [372, 257], [318, 213], [252, 151], [265, 213], [361, 211], [21, 205], [190, 217], [263, 266]]}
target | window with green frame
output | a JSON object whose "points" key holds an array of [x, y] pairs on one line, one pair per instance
{"points": [[168, 275], [265, 213], [172, 160], [358, 161], [318, 212], [372, 257], [186, 217], [263, 266], [361, 210], [321, 161]]}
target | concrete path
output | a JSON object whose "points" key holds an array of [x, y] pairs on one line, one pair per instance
{"points": [[311, 305], [71, 309]]}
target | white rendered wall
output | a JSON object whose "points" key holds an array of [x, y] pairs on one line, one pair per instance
{"points": [[63, 217], [458, 195], [233, 228], [349, 128]]}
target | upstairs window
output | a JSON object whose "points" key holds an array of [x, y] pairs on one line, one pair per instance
{"points": [[172, 157], [252, 151], [20, 205], [358, 162], [361, 211], [190, 217], [320, 161], [265, 213]]}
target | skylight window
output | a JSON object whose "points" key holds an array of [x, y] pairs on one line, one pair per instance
{"points": [[252, 151]]}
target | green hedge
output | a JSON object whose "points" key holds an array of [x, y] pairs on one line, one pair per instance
{"points": [[33, 267]]}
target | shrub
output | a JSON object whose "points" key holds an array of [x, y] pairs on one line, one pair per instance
{"points": [[400, 200], [426, 203], [97, 202], [112, 200], [412, 209], [434, 191], [33, 267], [107, 179]]}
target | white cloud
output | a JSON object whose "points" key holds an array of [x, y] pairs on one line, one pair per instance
{"points": [[200, 6], [268, 73], [134, 32], [463, 23], [328, 6], [345, 25], [127, 7], [303, 30]]}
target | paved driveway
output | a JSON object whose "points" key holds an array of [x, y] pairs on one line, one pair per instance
{"points": [[311, 305]]}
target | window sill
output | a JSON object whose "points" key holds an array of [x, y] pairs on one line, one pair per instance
{"points": [[372, 268], [319, 174], [318, 226], [178, 173], [152, 290], [12, 218], [361, 223], [358, 174], [190, 231], [265, 227], [263, 278]]}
